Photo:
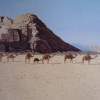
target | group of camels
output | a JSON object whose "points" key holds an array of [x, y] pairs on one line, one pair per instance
{"points": [[46, 57], [86, 57], [37, 60]]}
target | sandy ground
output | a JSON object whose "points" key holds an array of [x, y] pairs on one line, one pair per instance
{"points": [[54, 81]]}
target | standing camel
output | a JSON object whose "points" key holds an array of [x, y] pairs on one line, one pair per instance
{"points": [[11, 56], [28, 57], [88, 58], [47, 58], [70, 57]]}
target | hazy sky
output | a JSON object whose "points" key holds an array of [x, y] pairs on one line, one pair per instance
{"points": [[75, 21]]}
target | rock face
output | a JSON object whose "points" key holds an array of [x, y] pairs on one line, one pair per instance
{"points": [[28, 32], [5, 20]]}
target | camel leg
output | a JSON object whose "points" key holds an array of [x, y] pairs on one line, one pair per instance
{"points": [[37, 62], [25, 60], [48, 61], [64, 60], [71, 61], [28, 61], [83, 61], [89, 62], [42, 61], [7, 59], [0, 59], [13, 59]]}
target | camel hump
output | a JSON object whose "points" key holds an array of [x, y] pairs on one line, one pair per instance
{"points": [[46, 56], [11, 56], [29, 54]]}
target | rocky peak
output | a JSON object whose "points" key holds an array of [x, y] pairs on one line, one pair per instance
{"points": [[24, 20], [29, 32]]}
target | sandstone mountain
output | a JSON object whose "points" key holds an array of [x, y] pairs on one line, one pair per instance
{"points": [[28, 32]]}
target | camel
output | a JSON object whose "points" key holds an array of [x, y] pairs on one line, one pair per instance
{"points": [[1, 57], [36, 60], [70, 57], [46, 57], [28, 57], [88, 58], [11, 56]]}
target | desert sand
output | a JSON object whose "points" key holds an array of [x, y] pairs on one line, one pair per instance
{"points": [[53, 81]]}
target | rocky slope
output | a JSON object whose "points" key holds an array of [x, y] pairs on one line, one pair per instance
{"points": [[29, 32]]}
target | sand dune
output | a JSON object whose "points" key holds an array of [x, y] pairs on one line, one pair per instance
{"points": [[54, 81]]}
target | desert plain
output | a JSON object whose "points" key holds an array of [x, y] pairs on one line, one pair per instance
{"points": [[54, 81]]}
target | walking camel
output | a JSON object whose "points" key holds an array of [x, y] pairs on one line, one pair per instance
{"points": [[11, 56], [46, 57], [70, 57], [28, 57], [88, 58]]}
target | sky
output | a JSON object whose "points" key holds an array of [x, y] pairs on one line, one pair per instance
{"points": [[75, 21]]}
